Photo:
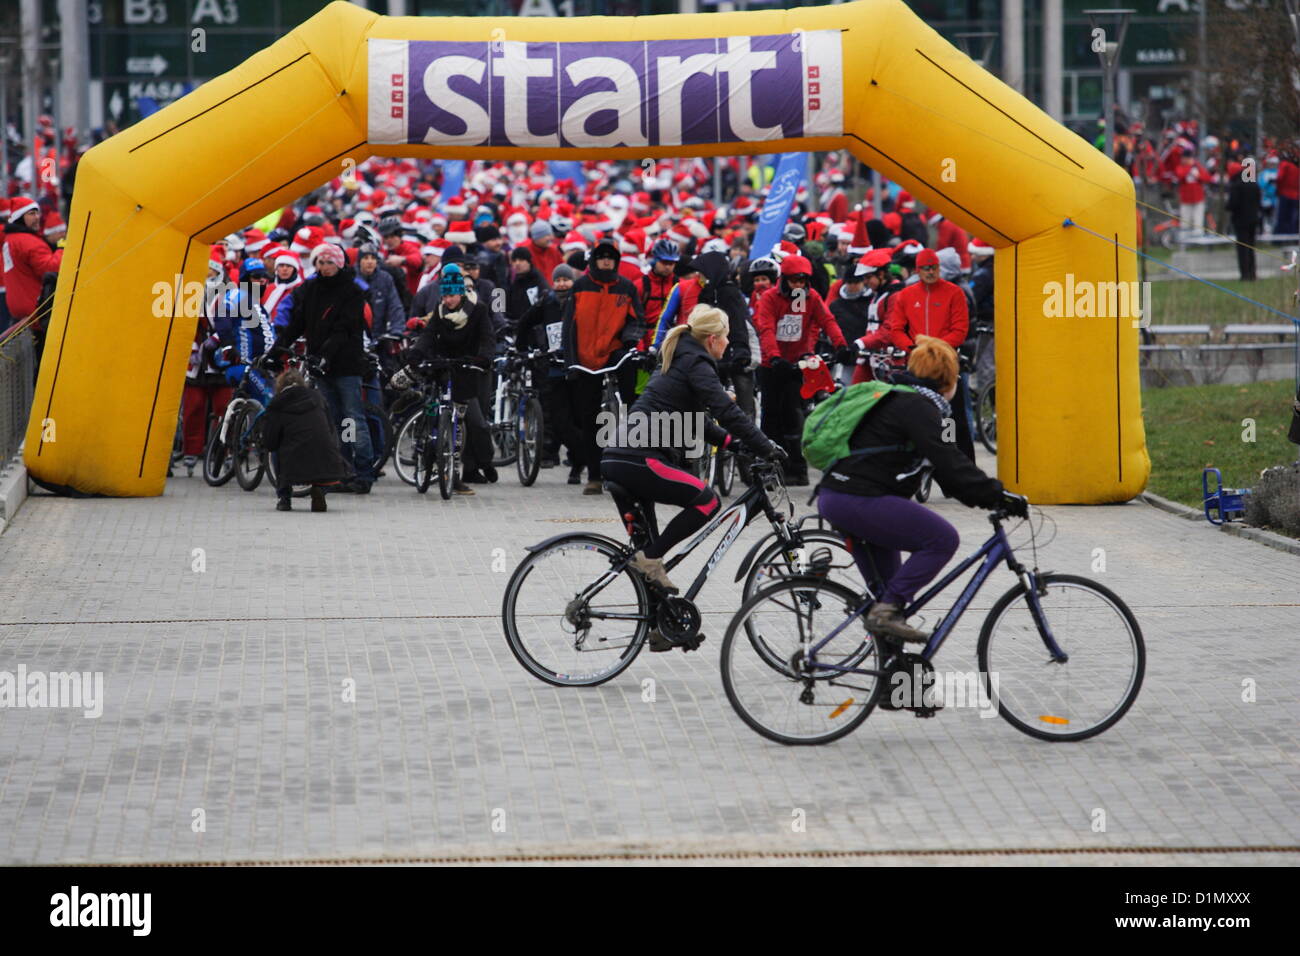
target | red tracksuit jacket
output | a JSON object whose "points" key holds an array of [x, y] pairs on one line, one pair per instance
{"points": [[789, 333], [919, 309]]}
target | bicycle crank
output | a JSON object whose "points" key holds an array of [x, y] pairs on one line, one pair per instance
{"points": [[678, 620]]}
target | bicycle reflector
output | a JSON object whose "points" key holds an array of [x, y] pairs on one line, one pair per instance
{"points": [[1047, 719], [629, 523], [842, 708]]}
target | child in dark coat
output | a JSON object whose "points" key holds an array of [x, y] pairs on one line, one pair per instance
{"points": [[297, 427]]}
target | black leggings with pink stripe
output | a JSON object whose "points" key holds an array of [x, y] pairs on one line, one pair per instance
{"points": [[651, 480]]}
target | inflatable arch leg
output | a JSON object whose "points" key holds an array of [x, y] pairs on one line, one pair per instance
{"points": [[866, 76]]}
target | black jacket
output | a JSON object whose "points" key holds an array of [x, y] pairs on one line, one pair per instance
{"points": [[689, 386], [853, 315], [722, 292], [532, 329], [1243, 202], [982, 289], [523, 292], [331, 314], [441, 339], [901, 418], [297, 426]]}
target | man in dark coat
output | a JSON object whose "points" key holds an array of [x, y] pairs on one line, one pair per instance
{"points": [[296, 427], [1244, 208], [329, 310]]}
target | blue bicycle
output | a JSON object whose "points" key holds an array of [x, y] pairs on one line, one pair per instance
{"points": [[1060, 657]]}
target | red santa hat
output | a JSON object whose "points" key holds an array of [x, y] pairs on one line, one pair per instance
{"points": [[905, 201], [288, 259], [460, 231], [19, 206], [860, 244], [306, 239], [573, 241], [255, 240], [893, 222], [456, 206], [977, 247]]}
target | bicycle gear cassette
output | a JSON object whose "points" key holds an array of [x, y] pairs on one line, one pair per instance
{"points": [[679, 621]]}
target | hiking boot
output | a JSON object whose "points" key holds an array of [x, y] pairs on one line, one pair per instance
{"points": [[652, 569], [283, 504], [575, 477], [191, 461], [460, 488], [474, 477], [659, 643], [592, 488], [317, 498], [490, 473], [888, 619]]}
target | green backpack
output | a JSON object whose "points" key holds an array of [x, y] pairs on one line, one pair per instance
{"points": [[827, 430]]}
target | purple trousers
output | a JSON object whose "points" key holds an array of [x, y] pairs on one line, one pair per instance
{"points": [[882, 527]]}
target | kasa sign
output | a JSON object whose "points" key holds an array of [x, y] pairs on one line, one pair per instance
{"points": [[603, 95]]}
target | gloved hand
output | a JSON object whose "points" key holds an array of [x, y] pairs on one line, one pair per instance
{"points": [[737, 363], [1015, 505], [401, 379], [785, 368], [776, 453], [846, 355], [649, 359]]}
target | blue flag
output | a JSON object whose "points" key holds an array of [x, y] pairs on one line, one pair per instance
{"points": [[567, 169], [453, 177], [790, 173]]}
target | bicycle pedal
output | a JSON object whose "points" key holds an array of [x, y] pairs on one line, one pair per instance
{"points": [[924, 712], [692, 644]]}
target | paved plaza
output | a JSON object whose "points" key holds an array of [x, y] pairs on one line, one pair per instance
{"points": [[337, 687]]}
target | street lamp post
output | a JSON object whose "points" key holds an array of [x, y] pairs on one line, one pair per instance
{"points": [[4, 124], [1108, 53]]}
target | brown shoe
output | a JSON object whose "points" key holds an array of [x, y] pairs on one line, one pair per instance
{"points": [[652, 569], [317, 498], [460, 488], [888, 619], [592, 488]]}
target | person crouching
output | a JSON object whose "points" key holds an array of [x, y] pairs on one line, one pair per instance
{"points": [[296, 427]]}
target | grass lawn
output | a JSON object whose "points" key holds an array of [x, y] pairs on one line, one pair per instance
{"points": [[1188, 302], [1190, 427]]}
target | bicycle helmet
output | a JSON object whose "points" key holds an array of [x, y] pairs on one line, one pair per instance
{"points": [[794, 233], [665, 250], [764, 266]]}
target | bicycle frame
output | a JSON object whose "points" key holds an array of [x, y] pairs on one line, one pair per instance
{"points": [[741, 515], [993, 552]]}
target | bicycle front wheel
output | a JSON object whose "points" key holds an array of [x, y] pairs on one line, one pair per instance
{"points": [[529, 431], [218, 462], [569, 618], [774, 680], [1081, 697], [405, 462], [444, 454], [424, 451], [246, 439]]}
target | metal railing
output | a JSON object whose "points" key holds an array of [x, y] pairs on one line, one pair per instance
{"points": [[17, 380]]}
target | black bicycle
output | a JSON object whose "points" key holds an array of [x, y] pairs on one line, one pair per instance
{"points": [[576, 613]]}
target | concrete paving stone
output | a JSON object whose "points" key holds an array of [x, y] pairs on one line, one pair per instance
{"points": [[224, 690]]}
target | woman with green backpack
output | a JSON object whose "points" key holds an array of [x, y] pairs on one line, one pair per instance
{"points": [[866, 491]]}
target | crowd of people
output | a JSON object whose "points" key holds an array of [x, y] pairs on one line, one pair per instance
{"points": [[381, 271], [1255, 191]]}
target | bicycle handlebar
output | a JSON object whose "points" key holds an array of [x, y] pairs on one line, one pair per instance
{"points": [[609, 368]]}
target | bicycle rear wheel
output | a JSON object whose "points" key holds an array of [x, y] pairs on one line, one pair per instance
{"points": [[505, 436], [774, 688], [381, 435], [724, 472], [1085, 695], [529, 442], [986, 417], [557, 612]]}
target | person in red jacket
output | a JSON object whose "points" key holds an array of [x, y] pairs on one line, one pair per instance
{"points": [[402, 253], [933, 307], [1288, 196], [789, 318], [1192, 177], [949, 235], [27, 257], [546, 251]]}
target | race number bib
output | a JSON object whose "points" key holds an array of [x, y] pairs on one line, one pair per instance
{"points": [[553, 336], [789, 328]]}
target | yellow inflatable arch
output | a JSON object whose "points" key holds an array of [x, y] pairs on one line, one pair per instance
{"points": [[866, 76]]}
